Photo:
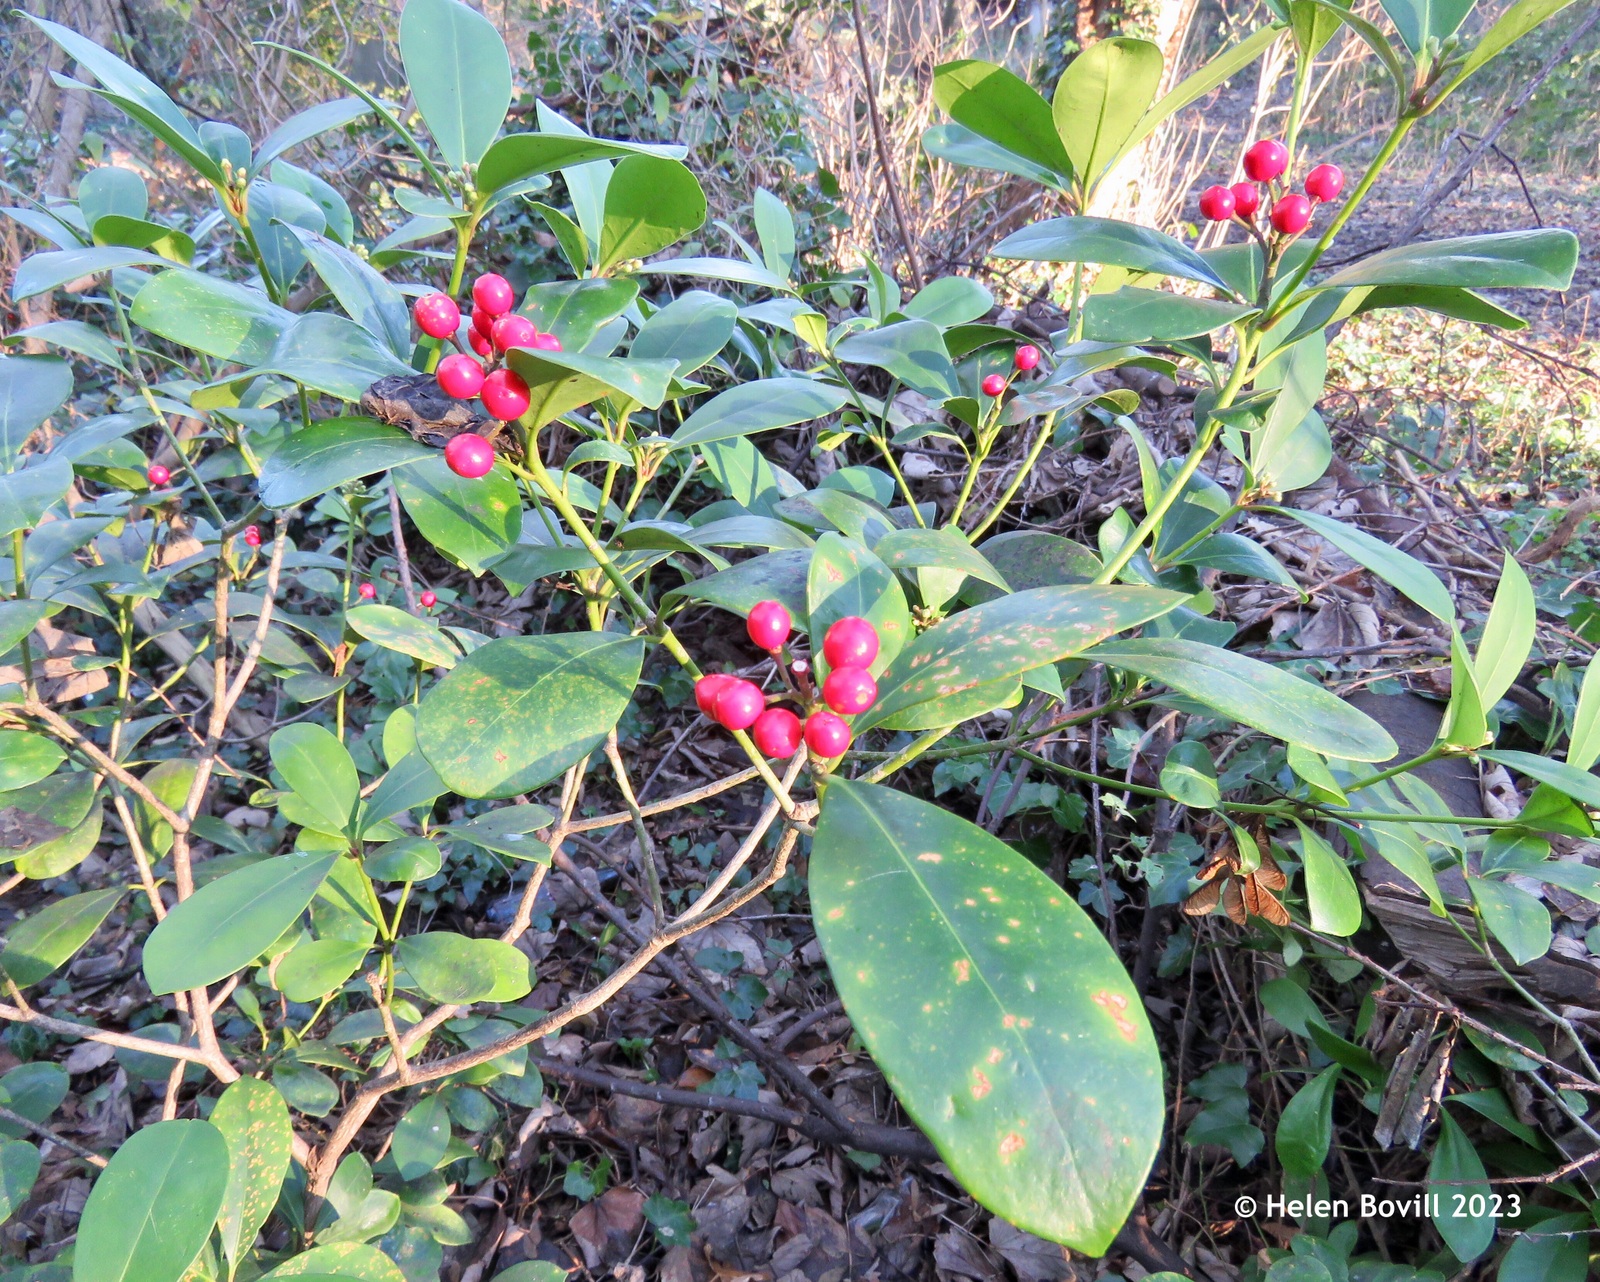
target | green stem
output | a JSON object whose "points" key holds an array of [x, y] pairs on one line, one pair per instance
{"points": [[1210, 529], [1045, 436], [19, 569], [908, 754], [1432, 754]]}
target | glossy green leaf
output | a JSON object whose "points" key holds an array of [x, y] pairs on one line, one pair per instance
{"points": [[26, 758], [998, 105], [1331, 892], [34, 1091], [170, 782], [1291, 449], [404, 859], [421, 1138], [19, 1168], [958, 145], [31, 389], [520, 156], [1421, 21], [1305, 1130], [1109, 242], [332, 354], [516, 712], [912, 350], [1198, 84], [759, 406], [61, 854], [575, 310], [73, 336], [26, 495], [316, 967], [18, 618], [845, 580], [1518, 920], [1035, 559], [1553, 1250], [689, 330], [1457, 1180], [945, 548], [305, 125], [394, 629], [1542, 259], [211, 315], [345, 1261], [1132, 315], [448, 967], [506, 831], [1400, 570], [564, 381], [1190, 776], [318, 767], [112, 191], [1100, 100], [165, 242], [1508, 634], [152, 1208], [950, 300], [459, 73], [228, 923], [254, 1122], [332, 453], [651, 202], [1583, 741], [1444, 300], [38, 945], [367, 298], [1255, 694], [1514, 22], [470, 520], [774, 576], [1001, 1018]]}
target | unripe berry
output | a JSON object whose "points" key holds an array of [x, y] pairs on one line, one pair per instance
{"points": [[437, 315], [826, 735], [1325, 182], [738, 704], [1266, 160], [777, 733], [849, 690], [1217, 204], [505, 395], [367, 591], [1291, 214], [429, 599], [1246, 199], [493, 294], [994, 385], [479, 344], [158, 475], [1027, 357], [252, 536], [482, 321], [850, 643], [769, 625], [546, 343], [708, 687], [512, 331], [469, 455], [460, 376]]}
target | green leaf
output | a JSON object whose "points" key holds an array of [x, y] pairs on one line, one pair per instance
{"points": [[1001, 107], [958, 145], [448, 967], [319, 769], [1115, 244], [506, 831], [521, 156], [1100, 100], [367, 298], [305, 125], [152, 1208], [912, 350], [1400, 570], [228, 923], [345, 1261], [19, 1168], [26, 495], [31, 389], [1583, 736], [575, 310], [1331, 892], [1554, 1250], [758, 406], [254, 1122], [38, 945], [774, 576], [690, 330], [167, 243], [651, 202], [421, 1138], [18, 618], [111, 190], [332, 354], [1291, 449], [1004, 638], [1132, 315], [1443, 300], [1001, 1018], [1305, 1130], [1457, 1179], [1377, 42], [845, 580], [1514, 22], [1507, 636], [211, 315], [562, 381], [404, 859], [736, 270], [459, 73], [1190, 776], [73, 336], [332, 453], [316, 967], [26, 758], [516, 712], [950, 300], [394, 629], [470, 520], [1563, 776], [945, 549], [1542, 259], [1421, 21], [1255, 694], [1517, 919]]}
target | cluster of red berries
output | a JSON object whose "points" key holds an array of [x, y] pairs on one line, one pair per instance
{"points": [[849, 646], [1266, 162], [1025, 358]]}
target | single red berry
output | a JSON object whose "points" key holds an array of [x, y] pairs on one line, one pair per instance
{"points": [[850, 643], [777, 733], [1325, 182], [513, 331], [482, 321], [1291, 214], [1266, 160], [437, 315], [158, 475], [1217, 204], [849, 690], [367, 591], [505, 395], [826, 735], [469, 455], [1246, 199], [493, 294], [738, 704], [1027, 357], [708, 687], [546, 343], [252, 536], [994, 385], [429, 599], [460, 376], [769, 625], [480, 344]]}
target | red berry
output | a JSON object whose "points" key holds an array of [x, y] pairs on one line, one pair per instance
{"points": [[158, 475], [849, 690], [850, 643], [1325, 182], [479, 343], [429, 599], [460, 376], [469, 455], [1291, 214], [826, 735], [546, 343], [769, 625], [252, 536], [777, 733], [505, 395], [738, 704], [367, 591], [1217, 204], [1246, 199], [1266, 160], [1027, 357], [482, 321], [513, 331], [994, 385], [493, 294], [707, 688], [437, 315]]}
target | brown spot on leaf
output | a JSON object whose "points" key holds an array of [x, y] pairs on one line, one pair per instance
{"points": [[835, 913], [963, 971], [931, 857], [980, 1085], [1116, 1005], [1011, 1145]]}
